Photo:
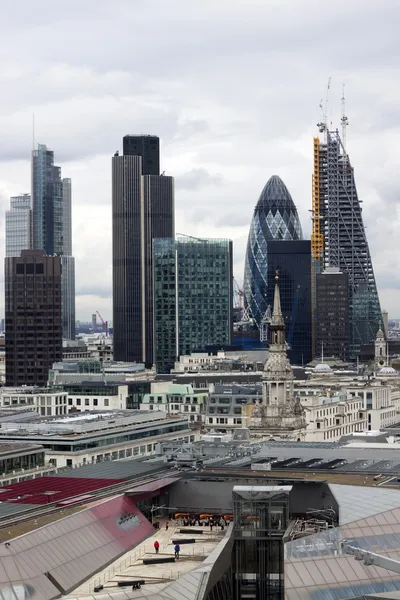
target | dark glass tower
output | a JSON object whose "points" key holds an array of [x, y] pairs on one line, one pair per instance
{"points": [[275, 218], [192, 297], [142, 209], [33, 317], [146, 146], [332, 292], [293, 261], [339, 240]]}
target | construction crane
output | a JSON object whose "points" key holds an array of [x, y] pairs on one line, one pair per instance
{"points": [[238, 297], [294, 316], [105, 323]]}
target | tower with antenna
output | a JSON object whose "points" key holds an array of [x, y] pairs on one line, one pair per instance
{"points": [[338, 236]]}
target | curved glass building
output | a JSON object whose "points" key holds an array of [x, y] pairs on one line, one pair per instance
{"points": [[275, 218]]}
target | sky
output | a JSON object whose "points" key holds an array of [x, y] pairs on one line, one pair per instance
{"points": [[231, 87]]}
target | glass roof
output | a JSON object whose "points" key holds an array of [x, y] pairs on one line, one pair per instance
{"points": [[357, 502]]}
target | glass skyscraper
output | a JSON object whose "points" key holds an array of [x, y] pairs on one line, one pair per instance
{"points": [[193, 297], [19, 225], [275, 218], [293, 261], [51, 225], [339, 240]]}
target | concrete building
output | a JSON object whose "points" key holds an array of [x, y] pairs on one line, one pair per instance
{"points": [[178, 400], [92, 437], [90, 396], [222, 360], [230, 406], [45, 401], [33, 317]]}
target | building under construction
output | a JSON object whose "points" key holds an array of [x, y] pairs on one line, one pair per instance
{"points": [[338, 238]]}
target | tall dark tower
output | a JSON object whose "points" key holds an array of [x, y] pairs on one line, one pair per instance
{"points": [[146, 146], [33, 317], [142, 210]]}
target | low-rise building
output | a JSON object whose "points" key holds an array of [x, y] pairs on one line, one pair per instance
{"points": [[222, 360], [74, 440], [96, 396], [330, 418], [226, 402], [178, 400], [46, 401]]}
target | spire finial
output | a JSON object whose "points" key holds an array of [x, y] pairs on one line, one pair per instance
{"points": [[277, 275]]}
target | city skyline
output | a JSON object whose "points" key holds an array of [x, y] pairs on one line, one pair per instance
{"points": [[204, 129]]}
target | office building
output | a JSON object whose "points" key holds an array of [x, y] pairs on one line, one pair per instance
{"points": [[33, 317], [339, 240], [275, 218], [148, 148], [47, 202], [19, 225], [332, 324], [143, 209], [52, 225], [192, 297], [292, 259]]}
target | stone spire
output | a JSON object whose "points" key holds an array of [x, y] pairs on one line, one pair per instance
{"points": [[277, 317]]}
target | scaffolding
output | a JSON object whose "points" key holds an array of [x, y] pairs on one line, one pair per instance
{"points": [[339, 239]]}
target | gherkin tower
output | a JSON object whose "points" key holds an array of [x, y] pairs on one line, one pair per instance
{"points": [[275, 218]]}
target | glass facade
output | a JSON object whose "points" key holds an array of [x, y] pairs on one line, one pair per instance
{"points": [[275, 218], [261, 516], [345, 245], [19, 225], [332, 323], [192, 296], [293, 261], [51, 225]]}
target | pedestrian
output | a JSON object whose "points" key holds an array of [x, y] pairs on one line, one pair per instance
{"points": [[211, 525], [177, 550], [156, 546], [166, 525]]}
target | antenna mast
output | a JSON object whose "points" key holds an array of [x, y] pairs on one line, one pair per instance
{"points": [[323, 124], [344, 120]]}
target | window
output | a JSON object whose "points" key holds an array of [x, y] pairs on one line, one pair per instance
{"points": [[78, 401], [95, 402], [86, 401], [106, 402]]}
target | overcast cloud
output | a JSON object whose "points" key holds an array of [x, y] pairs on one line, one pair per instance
{"points": [[232, 87]]}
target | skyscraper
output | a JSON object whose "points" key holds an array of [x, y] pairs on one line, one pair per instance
{"points": [[47, 202], [292, 259], [275, 218], [338, 237], [19, 225], [52, 231], [148, 148], [332, 294], [67, 265], [142, 209], [193, 298], [32, 317]]}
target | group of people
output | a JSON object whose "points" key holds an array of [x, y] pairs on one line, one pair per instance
{"points": [[177, 548], [156, 544]]}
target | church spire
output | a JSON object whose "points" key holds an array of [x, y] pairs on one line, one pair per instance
{"points": [[277, 317]]}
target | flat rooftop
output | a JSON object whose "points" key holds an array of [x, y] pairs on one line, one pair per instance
{"points": [[7, 449]]}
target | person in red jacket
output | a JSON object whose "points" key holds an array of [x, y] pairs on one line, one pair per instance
{"points": [[156, 546], [166, 525]]}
